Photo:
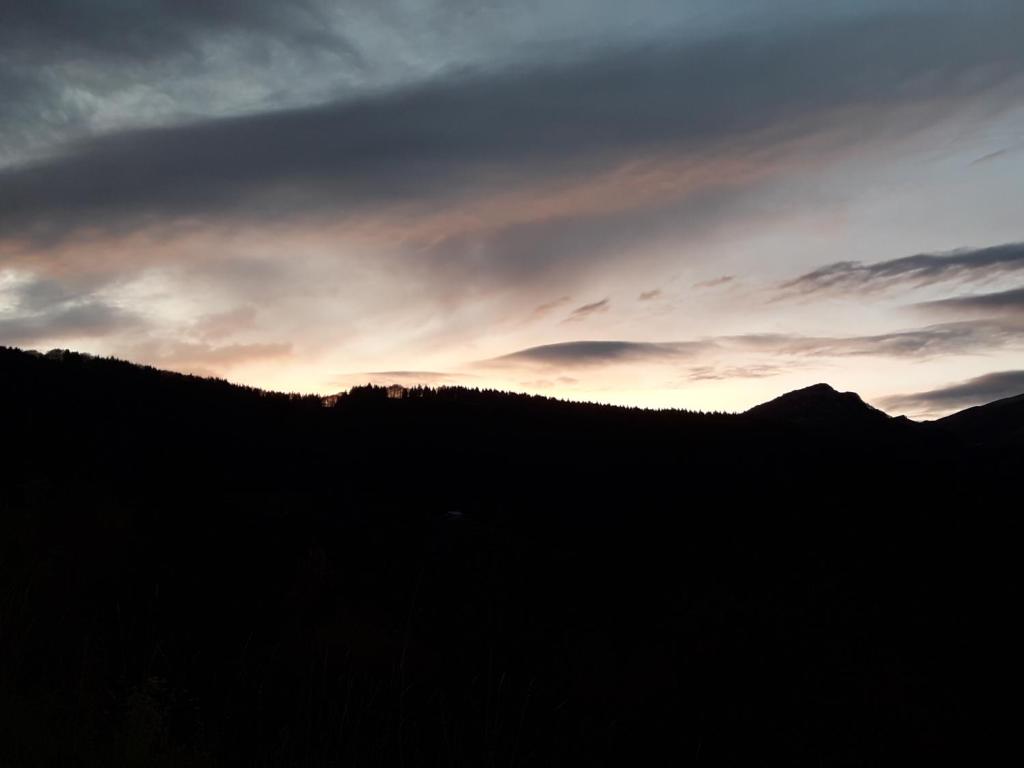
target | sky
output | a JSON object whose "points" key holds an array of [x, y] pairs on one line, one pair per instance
{"points": [[660, 203]]}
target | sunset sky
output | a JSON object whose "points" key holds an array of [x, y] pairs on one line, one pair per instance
{"points": [[686, 203]]}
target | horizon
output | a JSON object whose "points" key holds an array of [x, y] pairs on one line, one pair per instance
{"points": [[670, 205], [499, 391]]}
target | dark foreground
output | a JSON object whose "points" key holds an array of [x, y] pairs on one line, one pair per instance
{"points": [[198, 574]]}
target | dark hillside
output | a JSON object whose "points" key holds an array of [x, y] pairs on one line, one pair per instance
{"points": [[194, 573]]}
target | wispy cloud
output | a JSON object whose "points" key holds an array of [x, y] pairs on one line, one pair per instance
{"points": [[921, 269], [573, 353], [1001, 302], [989, 157], [715, 282], [964, 337], [546, 308], [585, 311], [722, 373], [976, 391], [649, 295]]}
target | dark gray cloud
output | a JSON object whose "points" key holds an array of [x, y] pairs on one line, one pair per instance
{"points": [[977, 391], [920, 269], [63, 321], [585, 311], [40, 310], [1001, 302], [572, 353], [145, 29], [444, 137], [71, 67], [649, 295]]}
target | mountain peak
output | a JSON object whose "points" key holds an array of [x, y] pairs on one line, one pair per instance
{"points": [[819, 405]]}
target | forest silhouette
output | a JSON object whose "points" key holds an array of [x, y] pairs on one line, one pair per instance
{"points": [[196, 573]]}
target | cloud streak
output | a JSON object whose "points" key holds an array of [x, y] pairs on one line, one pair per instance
{"points": [[584, 353], [724, 373], [715, 282], [585, 311], [957, 338], [967, 337], [976, 391], [1002, 302], [918, 270]]}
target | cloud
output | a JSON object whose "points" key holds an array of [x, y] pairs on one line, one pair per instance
{"points": [[450, 138], [66, 321], [714, 283], [217, 325], [292, 166], [578, 353], [921, 269], [546, 307], [1003, 302], [36, 310], [721, 373], [585, 311], [125, 30], [74, 68], [920, 343], [990, 157], [931, 341], [976, 391], [583, 228]]}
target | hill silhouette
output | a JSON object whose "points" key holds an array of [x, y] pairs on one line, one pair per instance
{"points": [[1000, 421], [196, 573], [820, 405]]}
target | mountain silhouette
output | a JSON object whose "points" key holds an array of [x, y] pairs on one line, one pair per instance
{"points": [[198, 573], [819, 405]]}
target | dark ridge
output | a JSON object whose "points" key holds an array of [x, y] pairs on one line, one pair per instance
{"points": [[194, 573], [819, 405], [998, 426]]}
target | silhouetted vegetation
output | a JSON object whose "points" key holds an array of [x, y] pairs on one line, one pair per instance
{"points": [[195, 573]]}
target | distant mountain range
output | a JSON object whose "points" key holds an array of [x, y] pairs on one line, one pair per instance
{"points": [[197, 573]]}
